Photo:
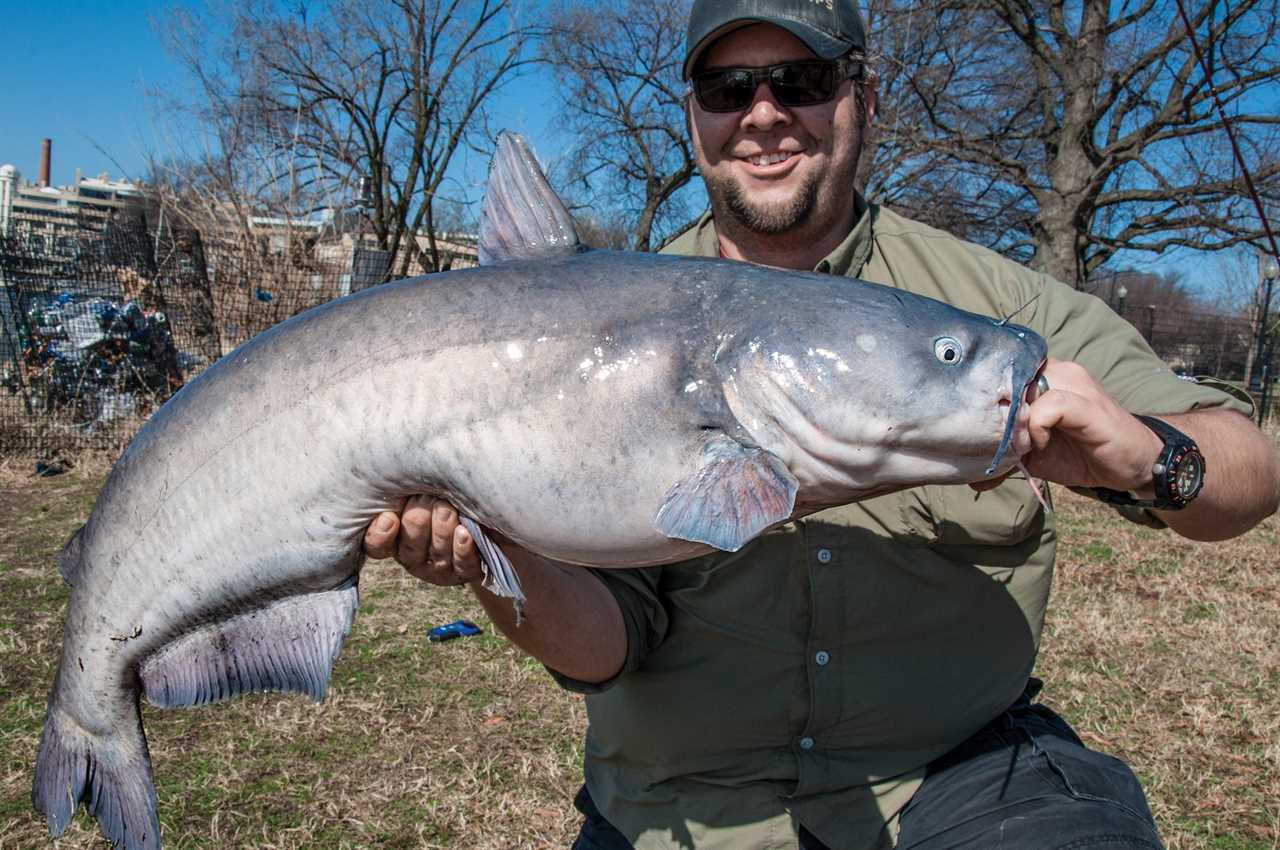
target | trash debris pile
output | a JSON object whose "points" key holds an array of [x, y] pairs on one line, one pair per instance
{"points": [[93, 358]]}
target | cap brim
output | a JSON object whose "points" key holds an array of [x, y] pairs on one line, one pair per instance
{"points": [[823, 45]]}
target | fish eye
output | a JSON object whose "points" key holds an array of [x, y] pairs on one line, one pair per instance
{"points": [[948, 350]]}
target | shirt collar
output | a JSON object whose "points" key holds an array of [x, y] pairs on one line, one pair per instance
{"points": [[852, 254]]}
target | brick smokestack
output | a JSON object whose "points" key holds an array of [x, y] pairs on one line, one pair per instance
{"points": [[46, 153]]}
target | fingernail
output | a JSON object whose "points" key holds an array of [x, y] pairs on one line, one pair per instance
{"points": [[463, 536], [384, 523]]}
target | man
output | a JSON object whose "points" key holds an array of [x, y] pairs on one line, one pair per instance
{"points": [[860, 678]]}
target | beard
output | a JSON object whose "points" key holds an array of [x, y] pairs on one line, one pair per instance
{"points": [[766, 219]]}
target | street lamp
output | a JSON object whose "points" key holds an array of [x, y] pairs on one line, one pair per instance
{"points": [[1121, 294], [364, 199], [1151, 325], [1270, 271]]}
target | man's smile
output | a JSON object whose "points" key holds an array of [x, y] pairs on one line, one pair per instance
{"points": [[769, 163]]}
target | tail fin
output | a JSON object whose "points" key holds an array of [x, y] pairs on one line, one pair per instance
{"points": [[111, 773]]}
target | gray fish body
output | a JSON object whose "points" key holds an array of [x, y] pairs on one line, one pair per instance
{"points": [[601, 408]]}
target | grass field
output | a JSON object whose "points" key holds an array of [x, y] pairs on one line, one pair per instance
{"points": [[1163, 652]]}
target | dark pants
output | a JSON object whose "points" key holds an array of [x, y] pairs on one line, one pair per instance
{"points": [[1025, 781]]}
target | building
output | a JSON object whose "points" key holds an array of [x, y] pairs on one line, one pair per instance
{"points": [[49, 219]]}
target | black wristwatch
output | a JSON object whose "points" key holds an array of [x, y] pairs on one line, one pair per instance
{"points": [[1178, 474]]}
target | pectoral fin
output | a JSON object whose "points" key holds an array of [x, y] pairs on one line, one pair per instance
{"points": [[500, 577], [736, 495]]}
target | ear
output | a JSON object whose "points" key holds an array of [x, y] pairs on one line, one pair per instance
{"points": [[870, 98]]}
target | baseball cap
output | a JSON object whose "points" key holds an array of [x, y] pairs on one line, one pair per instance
{"points": [[830, 28]]}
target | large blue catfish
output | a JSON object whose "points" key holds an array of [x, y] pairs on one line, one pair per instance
{"points": [[599, 408]]}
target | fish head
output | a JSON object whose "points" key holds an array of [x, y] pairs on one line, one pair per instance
{"points": [[883, 390]]}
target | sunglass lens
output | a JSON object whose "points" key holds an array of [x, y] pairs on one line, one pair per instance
{"points": [[802, 83], [792, 83], [725, 91]]}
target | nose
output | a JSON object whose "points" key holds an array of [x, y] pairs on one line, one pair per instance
{"points": [[765, 111]]}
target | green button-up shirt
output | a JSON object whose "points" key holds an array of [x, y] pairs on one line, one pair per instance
{"points": [[810, 677]]}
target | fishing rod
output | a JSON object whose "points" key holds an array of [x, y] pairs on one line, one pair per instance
{"points": [[1231, 134], [1257, 203]]}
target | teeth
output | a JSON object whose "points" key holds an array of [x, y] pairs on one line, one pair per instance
{"points": [[768, 158]]}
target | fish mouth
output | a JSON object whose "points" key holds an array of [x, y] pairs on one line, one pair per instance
{"points": [[1030, 389]]}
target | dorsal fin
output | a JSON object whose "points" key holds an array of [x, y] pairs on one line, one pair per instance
{"points": [[522, 218]]}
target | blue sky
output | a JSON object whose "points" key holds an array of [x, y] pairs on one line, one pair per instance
{"points": [[78, 73], [85, 73]]}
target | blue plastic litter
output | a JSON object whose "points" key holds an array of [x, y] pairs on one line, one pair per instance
{"points": [[456, 629]]}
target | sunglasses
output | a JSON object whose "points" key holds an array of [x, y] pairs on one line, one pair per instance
{"points": [[802, 83]]}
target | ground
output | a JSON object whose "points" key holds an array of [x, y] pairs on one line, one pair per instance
{"points": [[1159, 651]]}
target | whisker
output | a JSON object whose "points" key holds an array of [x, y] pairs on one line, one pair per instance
{"points": [[1024, 306]]}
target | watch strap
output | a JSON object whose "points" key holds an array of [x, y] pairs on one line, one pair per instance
{"points": [[1120, 497]]}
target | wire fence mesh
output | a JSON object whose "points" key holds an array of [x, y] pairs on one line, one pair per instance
{"points": [[97, 331]]}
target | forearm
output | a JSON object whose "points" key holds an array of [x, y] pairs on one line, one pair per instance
{"points": [[1242, 476], [572, 623]]}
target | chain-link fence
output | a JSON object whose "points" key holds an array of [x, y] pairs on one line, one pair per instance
{"points": [[98, 330], [1198, 342]]}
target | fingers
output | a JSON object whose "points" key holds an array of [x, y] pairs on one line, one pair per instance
{"points": [[444, 521], [415, 533], [1066, 375], [466, 557], [380, 536], [427, 539], [452, 557], [1081, 437], [1045, 415]]}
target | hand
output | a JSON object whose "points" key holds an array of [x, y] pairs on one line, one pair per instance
{"points": [[427, 540], [1081, 437]]}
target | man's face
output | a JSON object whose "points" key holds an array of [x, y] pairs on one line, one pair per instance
{"points": [[776, 169]]}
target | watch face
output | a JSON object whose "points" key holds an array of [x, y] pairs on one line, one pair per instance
{"points": [[1190, 476]]}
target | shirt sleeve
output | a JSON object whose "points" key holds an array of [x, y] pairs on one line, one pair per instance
{"points": [[643, 616]]}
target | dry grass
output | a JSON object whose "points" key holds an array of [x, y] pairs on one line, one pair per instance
{"points": [[418, 745], [1160, 651], [1164, 653]]}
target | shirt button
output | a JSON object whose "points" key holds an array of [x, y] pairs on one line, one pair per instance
{"points": [[822, 658], [806, 743], [824, 556]]}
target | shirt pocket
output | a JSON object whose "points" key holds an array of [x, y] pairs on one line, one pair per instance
{"points": [[1001, 517]]}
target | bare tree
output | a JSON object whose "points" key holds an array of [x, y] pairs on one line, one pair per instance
{"points": [[318, 97], [621, 68], [1063, 132]]}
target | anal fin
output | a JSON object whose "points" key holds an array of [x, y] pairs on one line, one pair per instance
{"points": [[289, 645]]}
